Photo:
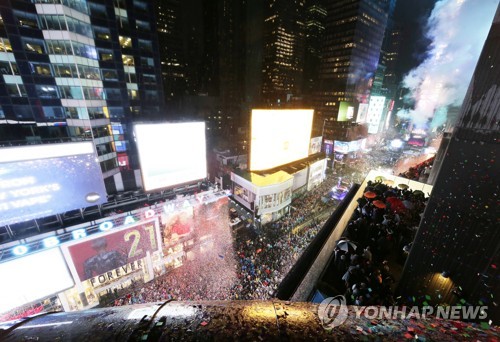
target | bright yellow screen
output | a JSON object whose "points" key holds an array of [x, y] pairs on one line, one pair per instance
{"points": [[279, 137]]}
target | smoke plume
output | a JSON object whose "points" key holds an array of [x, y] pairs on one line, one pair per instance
{"points": [[457, 30]]}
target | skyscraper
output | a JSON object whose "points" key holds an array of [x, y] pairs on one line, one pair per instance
{"points": [[314, 30], [386, 74], [77, 70], [283, 55], [354, 33], [170, 36], [455, 256]]}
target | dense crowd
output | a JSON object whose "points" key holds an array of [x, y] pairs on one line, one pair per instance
{"points": [[21, 312], [385, 221], [264, 263], [189, 282], [419, 171], [261, 264]]}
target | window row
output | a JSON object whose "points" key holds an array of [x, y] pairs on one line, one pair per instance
{"points": [[79, 5], [66, 47], [85, 113], [65, 23], [74, 71], [49, 91]]}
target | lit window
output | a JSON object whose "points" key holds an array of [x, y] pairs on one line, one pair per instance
{"points": [[125, 42]]}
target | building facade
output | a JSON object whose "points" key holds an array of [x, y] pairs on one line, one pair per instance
{"points": [[351, 48], [78, 70], [455, 255], [283, 53]]}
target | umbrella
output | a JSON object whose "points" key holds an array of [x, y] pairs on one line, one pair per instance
{"points": [[379, 204], [370, 194], [396, 204], [418, 192], [389, 182], [403, 186], [346, 246]]}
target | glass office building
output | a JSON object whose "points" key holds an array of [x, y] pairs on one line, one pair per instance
{"points": [[77, 70]]}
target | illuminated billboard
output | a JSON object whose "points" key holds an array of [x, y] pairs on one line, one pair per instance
{"points": [[375, 111], [346, 111], [96, 255], [348, 146], [33, 277], [279, 137], [362, 112], [42, 180], [317, 173], [171, 153], [315, 146]]}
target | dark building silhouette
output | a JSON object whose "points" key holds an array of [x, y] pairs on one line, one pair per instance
{"points": [[455, 256], [283, 56], [173, 64], [386, 74], [203, 59], [352, 42], [315, 23]]}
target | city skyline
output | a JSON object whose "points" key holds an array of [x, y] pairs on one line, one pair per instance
{"points": [[303, 150]]}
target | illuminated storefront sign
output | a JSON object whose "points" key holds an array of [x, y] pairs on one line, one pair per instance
{"points": [[117, 273]]}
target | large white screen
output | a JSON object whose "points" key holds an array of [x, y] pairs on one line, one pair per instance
{"points": [[42, 180], [33, 277], [279, 137], [171, 153]]}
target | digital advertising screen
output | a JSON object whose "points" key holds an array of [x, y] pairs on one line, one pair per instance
{"points": [[346, 111], [315, 146], [108, 251], [42, 180], [375, 111], [171, 153], [33, 277], [362, 112], [279, 137]]}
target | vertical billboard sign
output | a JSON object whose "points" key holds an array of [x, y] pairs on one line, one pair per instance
{"points": [[42, 180], [103, 253], [315, 146], [362, 112], [375, 110], [171, 153]]}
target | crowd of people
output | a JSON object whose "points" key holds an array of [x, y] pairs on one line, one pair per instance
{"points": [[189, 282], [21, 312], [261, 263], [420, 171], [383, 223], [264, 263]]}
